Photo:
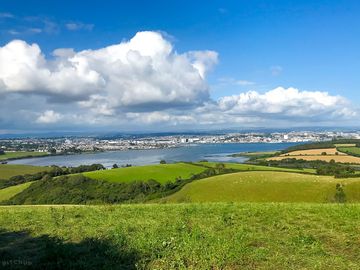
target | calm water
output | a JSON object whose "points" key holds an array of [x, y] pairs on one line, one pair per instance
{"points": [[211, 152]]}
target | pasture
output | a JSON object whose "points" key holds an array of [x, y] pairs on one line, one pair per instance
{"points": [[249, 167], [327, 158], [185, 236], [342, 155], [160, 172], [21, 154], [266, 187], [9, 192], [313, 152], [9, 170], [350, 150]]}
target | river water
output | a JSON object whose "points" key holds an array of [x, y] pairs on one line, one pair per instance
{"points": [[211, 152]]}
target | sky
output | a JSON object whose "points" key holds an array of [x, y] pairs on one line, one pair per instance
{"points": [[178, 65]]}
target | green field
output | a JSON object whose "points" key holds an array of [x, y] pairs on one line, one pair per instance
{"points": [[248, 167], [159, 172], [185, 236], [9, 192], [14, 155], [266, 187], [9, 170], [350, 150], [255, 154]]}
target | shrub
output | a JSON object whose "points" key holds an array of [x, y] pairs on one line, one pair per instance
{"points": [[340, 196]]}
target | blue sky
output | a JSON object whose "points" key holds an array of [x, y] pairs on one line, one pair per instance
{"points": [[260, 45]]}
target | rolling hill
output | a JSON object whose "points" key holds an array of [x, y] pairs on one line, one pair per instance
{"points": [[159, 172], [266, 187], [9, 170]]}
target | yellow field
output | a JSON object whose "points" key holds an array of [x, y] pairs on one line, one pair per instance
{"points": [[339, 158], [313, 152]]}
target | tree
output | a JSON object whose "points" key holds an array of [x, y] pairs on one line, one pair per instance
{"points": [[115, 166], [2, 152], [220, 166], [162, 161]]}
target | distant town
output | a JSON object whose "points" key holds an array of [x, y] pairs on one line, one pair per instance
{"points": [[65, 145]]}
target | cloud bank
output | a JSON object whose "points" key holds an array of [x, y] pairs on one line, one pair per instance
{"points": [[142, 71], [145, 82]]}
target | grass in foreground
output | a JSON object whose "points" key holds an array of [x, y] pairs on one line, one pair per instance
{"points": [[10, 192], [160, 172], [9, 170], [14, 155], [187, 236], [266, 187]]}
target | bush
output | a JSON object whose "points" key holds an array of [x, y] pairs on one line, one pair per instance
{"points": [[162, 161], [340, 196]]}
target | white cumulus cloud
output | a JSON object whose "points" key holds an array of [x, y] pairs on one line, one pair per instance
{"points": [[49, 117], [144, 70], [285, 102]]}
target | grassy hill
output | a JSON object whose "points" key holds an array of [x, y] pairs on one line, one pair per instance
{"points": [[159, 172], [355, 151], [9, 170], [249, 167], [19, 154], [266, 187], [10, 192], [185, 236]]}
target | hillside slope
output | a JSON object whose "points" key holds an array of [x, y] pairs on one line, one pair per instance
{"points": [[266, 187], [159, 172], [9, 192], [9, 170]]}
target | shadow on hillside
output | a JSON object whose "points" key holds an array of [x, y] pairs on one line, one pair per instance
{"points": [[19, 250]]}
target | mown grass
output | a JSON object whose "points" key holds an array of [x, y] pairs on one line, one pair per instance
{"points": [[341, 154], [21, 154], [9, 170], [9, 192], [266, 187], [340, 158], [350, 150], [313, 152], [159, 172], [249, 167], [185, 236]]}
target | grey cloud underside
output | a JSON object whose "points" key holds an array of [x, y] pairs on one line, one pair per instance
{"points": [[142, 82]]}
